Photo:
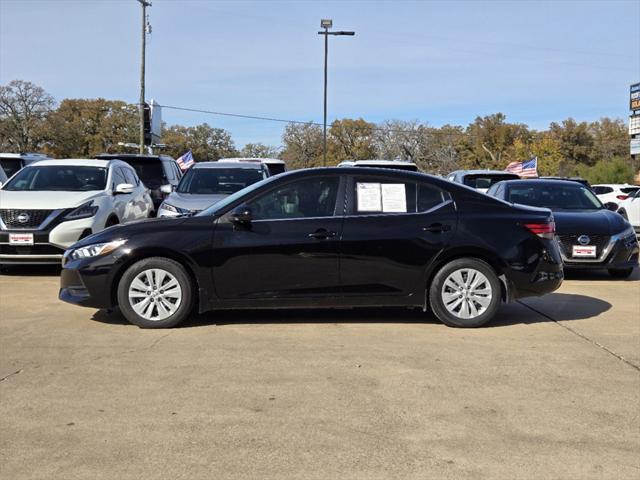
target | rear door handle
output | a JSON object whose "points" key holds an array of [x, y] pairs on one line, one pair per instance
{"points": [[322, 234], [437, 228]]}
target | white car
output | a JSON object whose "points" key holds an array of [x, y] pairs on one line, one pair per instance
{"points": [[630, 209], [614, 192], [51, 204]]}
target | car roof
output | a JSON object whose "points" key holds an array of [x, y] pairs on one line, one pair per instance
{"points": [[80, 162], [25, 156], [374, 162], [539, 181], [625, 185], [224, 164], [485, 172], [132, 156], [252, 159]]}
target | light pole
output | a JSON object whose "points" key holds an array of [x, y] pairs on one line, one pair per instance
{"points": [[144, 4], [327, 24]]}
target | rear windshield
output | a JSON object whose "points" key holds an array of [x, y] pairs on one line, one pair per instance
{"points": [[218, 181], [627, 190], [65, 178], [276, 168], [10, 165], [555, 196], [486, 180], [149, 170]]}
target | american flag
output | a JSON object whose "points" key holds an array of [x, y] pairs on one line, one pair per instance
{"points": [[524, 169], [186, 160]]}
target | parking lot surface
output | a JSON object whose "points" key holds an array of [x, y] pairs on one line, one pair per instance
{"points": [[550, 389]]}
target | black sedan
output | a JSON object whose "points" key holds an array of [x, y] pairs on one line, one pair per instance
{"points": [[334, 237], [589, 234]]}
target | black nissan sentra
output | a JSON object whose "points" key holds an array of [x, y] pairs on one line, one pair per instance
{"points": [[324, 237], [589, 234]]}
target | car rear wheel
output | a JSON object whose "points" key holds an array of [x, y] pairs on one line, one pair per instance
{"points": [[620, 272], [465, 293], [155, 293]]}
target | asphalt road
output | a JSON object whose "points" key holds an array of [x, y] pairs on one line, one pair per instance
{"points": [[551, 389]]}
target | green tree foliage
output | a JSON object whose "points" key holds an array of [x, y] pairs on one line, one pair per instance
{"points": [[24, 108], [258, 150], [616, 170], [206, 142], [351, 140], [82, 128], [302, 145]]}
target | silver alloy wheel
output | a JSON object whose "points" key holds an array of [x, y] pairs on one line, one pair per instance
{"points": [[155, 294], [466, 293]]}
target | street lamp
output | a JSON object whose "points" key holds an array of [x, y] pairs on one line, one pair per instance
{"points": [[327, 23]]}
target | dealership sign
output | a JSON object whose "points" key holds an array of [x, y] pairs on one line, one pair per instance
{"points": [[635, 146], [635, 97], [634, 125]]}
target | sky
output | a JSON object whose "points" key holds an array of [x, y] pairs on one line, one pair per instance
{"points": [[438, 62]]}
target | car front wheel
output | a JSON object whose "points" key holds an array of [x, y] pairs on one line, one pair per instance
{"points": [[465, 293], [155, 292]]}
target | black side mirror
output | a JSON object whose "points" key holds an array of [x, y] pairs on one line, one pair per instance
{"points": [[241, 216], [611, 206]]}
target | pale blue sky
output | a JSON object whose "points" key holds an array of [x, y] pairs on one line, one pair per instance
{"points": [[437, 62]]}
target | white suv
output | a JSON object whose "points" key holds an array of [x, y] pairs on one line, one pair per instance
{"points": [[49, 205], [630, 209], [614, 192]]}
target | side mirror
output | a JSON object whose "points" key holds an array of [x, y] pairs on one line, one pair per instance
{"points": [[241, 216], [611, 206], [123, 188], [167, 189]]}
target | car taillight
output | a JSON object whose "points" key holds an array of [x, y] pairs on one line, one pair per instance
{"points": [[622, 197], [543, 230]]}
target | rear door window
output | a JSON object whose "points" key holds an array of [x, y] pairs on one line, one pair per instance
{"points": [[375, 195], [10, 165]]}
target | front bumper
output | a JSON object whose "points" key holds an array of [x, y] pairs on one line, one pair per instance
{"points": [[88, 282], [49, 243], [620, 252]]}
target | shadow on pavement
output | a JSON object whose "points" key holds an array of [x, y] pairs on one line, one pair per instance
{"points": [[31, 270], [598, 275], [567, 306], [557, 306]]}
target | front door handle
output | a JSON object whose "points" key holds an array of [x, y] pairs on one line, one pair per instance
{"points": [[437, 228], [322, 234]]}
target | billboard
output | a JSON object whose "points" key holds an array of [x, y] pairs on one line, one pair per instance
{"points": [[634, 100], [635, 146], [634, 125]]}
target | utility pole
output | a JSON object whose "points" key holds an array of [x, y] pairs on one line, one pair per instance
{"points": [[144, 4], [327, 24]]}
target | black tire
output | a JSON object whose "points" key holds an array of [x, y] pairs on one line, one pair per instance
{"points": [[436, 288], [174, 268], [620, 272]]}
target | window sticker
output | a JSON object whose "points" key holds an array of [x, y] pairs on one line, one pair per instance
{"points": [[394, 198], [369, 197]]}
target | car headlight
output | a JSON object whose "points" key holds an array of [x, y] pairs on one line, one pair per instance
{"points": [[629, 231], [95, 249], [85, 210]]}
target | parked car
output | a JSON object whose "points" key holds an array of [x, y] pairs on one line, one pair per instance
{"points": [[11, 163], [395, 164], [209, 182], [274, 165], [160, 173], [590, 235], [323, 237], [614, 193], [629, 208], [480, 179], [49, 205]]}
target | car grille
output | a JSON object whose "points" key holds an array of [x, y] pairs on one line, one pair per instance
{"points": [[16, 218], [37, 249], [568, 241]]}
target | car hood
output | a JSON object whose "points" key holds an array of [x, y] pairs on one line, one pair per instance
{"points": [[190, 201], [603, 222], [45, 200]]}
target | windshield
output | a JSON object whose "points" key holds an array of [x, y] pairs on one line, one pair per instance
{"points": [[10, 165], [486, 180], [217, 181], [555, 196], [64, 178], [149, 170], [222, 204]]}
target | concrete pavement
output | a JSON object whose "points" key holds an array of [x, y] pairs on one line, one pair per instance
{"points": [[551, 389]]}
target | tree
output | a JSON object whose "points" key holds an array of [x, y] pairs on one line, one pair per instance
{"points": [[206, 142], [83, 128], [351, 140], [615, 170], [258, 150], [576, 144], [302, 145], [544, 146], [23, 111], [610, 139]]}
